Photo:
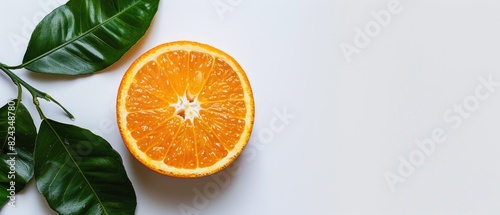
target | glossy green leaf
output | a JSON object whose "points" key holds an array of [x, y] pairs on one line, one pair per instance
{"points": [[79, 173], [85, 36], [17, 138]]}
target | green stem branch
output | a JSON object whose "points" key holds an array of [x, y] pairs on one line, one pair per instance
{"points": [[35, 93], [13, 67], [19, 92]]}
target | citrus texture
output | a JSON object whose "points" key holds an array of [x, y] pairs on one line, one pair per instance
{"points": [[185, 109]]}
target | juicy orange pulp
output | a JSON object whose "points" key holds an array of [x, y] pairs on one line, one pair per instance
{"points": [[185, 109]]}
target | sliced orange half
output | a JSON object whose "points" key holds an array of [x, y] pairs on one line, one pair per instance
{"points": [[185, 109]]}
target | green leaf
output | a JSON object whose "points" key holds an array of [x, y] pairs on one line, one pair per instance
{"points": [[16, 163], [85, 36], [79, 173]]}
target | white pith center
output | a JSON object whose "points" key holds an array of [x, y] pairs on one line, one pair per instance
{"points": [[187, 108]]}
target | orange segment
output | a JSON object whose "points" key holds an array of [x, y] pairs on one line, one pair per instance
{"points": [[174, 65], [222, 84], [182, 150], [210, 149], [228, 129], [199, 64], [185, 109], [234, 108]]}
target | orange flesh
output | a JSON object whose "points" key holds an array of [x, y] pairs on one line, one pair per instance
{"points": [[164, 133]]}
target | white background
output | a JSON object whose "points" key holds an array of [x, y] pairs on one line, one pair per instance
{"points": [[354, 122]]}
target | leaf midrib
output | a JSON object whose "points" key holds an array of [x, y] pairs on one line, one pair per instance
{"points": [[80, 36], [77, 166]]}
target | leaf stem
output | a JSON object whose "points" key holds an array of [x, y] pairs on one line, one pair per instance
{"points": [[35, 93], [19, 92], [13, 67]]}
